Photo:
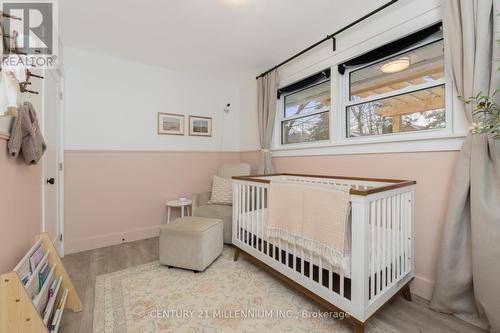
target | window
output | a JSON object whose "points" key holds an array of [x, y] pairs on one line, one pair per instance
{"points": [[306, 114], [404, 93], [392, 97]]}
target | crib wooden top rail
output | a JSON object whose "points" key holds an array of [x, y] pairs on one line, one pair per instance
{"points": [[370, 185]]}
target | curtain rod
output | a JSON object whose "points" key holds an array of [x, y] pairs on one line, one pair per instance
{"points": [[331, 36]]}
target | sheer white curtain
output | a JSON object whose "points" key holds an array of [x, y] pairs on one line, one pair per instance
{"points": [[267, 87], [468, 280]]}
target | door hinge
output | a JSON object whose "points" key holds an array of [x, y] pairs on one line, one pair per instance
{"points": [[60, 96], [60, 237], [60, 166]]}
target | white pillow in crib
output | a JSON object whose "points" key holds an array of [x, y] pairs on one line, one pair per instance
{"points": [[222, 191]]}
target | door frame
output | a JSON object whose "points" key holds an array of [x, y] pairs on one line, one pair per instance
{"points": [[59, 242]]}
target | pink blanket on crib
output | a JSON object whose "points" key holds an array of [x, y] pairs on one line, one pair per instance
{"points": [[311, 217]]}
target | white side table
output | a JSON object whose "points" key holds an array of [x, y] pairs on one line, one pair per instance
{"points": [[183, 205]]}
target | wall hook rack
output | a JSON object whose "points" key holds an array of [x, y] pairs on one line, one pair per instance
{"points": [[23, 89], [11, 16], [15, 49], [30, 74]]}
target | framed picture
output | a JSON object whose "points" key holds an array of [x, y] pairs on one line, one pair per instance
{"points": [[200, 126], [170, 123]]}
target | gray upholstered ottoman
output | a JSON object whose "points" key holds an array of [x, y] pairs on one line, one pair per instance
{"points": [[191, 242]]}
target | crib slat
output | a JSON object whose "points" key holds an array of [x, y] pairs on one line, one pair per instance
{"points": [[287, 259], [407, 227], [387, 242], [254, 226], [403, 234], [264, 215], [341, 289], [372, 253], [398, 242], [320, 271], [393, 238], [258, 221], [249, 215], [396, 237], [379, 246], [242, 221], [280, 246], [242, 230], [410, 230], [235, 210], [383, 276], [302, 257], [247, 212], [311, 264], [294, 257], [266, 194], [242, 204], [238, 215], [330, 277]]}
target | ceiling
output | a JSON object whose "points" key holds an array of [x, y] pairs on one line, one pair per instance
{"points": [[212, 36]]}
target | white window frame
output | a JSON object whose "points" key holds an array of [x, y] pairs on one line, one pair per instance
{"points": [[443, 139], [281, 118], [345, 81]]}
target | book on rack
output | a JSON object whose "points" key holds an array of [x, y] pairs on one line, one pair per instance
{"points": [[36, 257], [42, 276], [25, 278], [54, 320], [53, 288], [49, 308], [31, 301]]}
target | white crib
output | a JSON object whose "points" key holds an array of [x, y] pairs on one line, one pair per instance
{"points": [[381, 258]]}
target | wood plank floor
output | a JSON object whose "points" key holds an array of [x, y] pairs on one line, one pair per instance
{"points": [[85, 266]]}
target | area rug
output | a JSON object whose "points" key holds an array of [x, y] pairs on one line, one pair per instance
{"points": [[227, 297]]}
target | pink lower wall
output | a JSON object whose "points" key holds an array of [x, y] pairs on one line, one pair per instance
{"points": [[110, 195], [20, 208], [432, 171]]}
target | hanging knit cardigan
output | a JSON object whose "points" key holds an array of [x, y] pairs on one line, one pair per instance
{"points": [[25, 136]]}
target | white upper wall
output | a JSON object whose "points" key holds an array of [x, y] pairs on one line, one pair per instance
{"points": [[205, 35], [118, 99], [249, 135], [112, 104]]}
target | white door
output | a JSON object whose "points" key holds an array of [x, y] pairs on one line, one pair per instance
{"points": [[52, 175]]}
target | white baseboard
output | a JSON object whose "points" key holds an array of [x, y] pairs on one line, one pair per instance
{"points": [[422, 287], [79, 245]]}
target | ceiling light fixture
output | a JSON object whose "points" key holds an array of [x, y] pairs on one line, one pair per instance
{"points": [[396, 65], [235, 2]]}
